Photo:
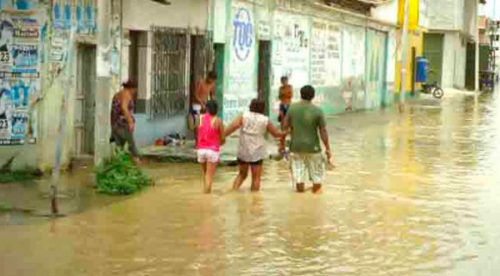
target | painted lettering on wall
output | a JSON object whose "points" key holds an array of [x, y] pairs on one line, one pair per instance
{"points": [[243, 36], [325, 54], [353, 67], [291, 52], [241, 84]]}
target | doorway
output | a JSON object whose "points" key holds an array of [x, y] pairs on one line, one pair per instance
{"points": [[218, 66], [264, 73], [86, 75], [433, 51], [199, 61], [470, 67]]}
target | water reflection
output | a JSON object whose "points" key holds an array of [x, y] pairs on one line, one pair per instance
{"points": [[414, 194]]}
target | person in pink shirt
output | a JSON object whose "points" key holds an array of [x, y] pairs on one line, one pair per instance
{"points": [[209, 141]]}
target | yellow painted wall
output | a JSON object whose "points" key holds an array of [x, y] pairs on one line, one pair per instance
{"points": [[416, 39], [414, 14]]}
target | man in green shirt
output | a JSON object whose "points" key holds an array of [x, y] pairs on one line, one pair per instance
{"points": [[307, 125]]}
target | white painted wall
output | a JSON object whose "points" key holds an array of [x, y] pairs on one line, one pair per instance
{"points": [[387, 13], [218, 21], [454, 58], [445, 14], [142, 14]]}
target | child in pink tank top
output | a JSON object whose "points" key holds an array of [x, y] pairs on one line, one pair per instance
{"points": [[209, 140]]}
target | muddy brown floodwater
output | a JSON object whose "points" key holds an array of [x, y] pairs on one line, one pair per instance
{"points": [[413, 194]]}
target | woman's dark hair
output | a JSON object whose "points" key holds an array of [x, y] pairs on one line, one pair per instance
{"points": [[258, 106], [212, 75], [130, 84], [307, 93], [212, 107], [284, 78]]}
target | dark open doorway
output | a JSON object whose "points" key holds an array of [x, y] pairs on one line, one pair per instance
{"points": [[264, 72], [218, 66], [470, 67], [86, 70]]}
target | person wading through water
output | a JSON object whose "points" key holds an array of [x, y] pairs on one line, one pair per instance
{"points": [[204, 91], [210, 140], [253, 125], [122, 118], [307, 125], [285, 95]]}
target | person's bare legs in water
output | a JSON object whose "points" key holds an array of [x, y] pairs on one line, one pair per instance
{"points": [[242, 176], [209, 170]]}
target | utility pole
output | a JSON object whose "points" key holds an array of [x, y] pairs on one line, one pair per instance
{"points": [[476, 65], [404, 54], [104, 79]]}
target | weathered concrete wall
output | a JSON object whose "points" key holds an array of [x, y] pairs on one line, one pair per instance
{"points": [[311, 45], [149, 130], [141, 14], [21, 81], [445, 14], [454, 57], [387, 12]]}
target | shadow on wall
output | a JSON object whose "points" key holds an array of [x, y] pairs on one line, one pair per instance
{"points": [[147, 131]]}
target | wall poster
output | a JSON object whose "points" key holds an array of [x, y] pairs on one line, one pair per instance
{"points": [[19, 73]]}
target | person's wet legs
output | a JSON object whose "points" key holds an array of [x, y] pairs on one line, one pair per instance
{"points": [[316, 189], [301, 187], [242, 175], [209, 176], [256, 176], [204, 173]]}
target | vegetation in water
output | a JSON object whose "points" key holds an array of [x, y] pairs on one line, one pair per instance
{"points": [[8, 175], [5, 207], [17, 176], [120, 176]]}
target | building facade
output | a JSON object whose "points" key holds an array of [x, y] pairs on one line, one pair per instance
{"points": [[451, 42], [72, 56], [341, 50]]}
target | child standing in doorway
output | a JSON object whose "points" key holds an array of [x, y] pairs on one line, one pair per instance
{"points": [[209, 141]]}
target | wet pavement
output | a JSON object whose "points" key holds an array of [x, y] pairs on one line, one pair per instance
{"points": [[413, 194]]}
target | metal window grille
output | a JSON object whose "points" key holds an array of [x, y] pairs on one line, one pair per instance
{"points": [[168, 74]]}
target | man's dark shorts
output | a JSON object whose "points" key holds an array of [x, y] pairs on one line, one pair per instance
{"points": [[256, 163], [283, 111]]}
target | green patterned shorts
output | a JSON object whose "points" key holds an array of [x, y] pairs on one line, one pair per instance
{"points": [[307, 166]]}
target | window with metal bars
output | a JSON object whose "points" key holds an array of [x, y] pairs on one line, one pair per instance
{"points": [[168, 73]]}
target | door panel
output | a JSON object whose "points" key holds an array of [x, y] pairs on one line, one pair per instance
{"points": [[433, 51], [264, 73], [86, 78], [375, 68]]}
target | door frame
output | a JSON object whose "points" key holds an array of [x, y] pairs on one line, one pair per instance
{"points": [[264, 78], [80, 108]]}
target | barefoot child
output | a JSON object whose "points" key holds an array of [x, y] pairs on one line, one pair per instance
{"points": [[252, 145], [209, 140]]}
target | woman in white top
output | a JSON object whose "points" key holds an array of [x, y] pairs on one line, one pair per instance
{"points": [[252, 145]]}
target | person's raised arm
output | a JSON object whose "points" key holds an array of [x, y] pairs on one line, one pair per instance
{"points": [[197, 94], [221, 131], [237, 123], [212, 91], [275, 131]]}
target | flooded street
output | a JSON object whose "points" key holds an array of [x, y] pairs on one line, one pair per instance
{"points": [[413, 194]]}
